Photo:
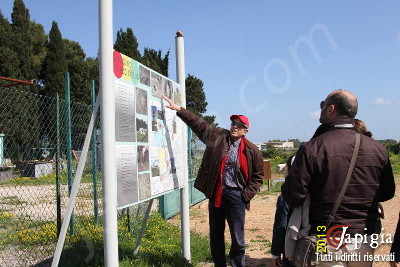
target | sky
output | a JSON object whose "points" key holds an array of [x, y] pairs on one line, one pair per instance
{"points": [[273, 61]]}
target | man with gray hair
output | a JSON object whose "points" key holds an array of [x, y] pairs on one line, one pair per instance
{"points": [[320, 169]]}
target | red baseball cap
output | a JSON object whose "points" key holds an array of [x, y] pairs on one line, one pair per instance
{"points": [[241, 118]]}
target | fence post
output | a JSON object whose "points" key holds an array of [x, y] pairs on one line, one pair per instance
{"points": [[58, 196], [94, 159], [68, 125]]}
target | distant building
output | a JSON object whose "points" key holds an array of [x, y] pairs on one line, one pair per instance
{"points": [[262, 146], [285, 145]]}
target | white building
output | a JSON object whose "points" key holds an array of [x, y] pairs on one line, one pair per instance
{"points": [[262, 146], [286, 145]]}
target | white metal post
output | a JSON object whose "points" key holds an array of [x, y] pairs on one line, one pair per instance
{"points": [[74, 189], [108, 133], [184, 192]]}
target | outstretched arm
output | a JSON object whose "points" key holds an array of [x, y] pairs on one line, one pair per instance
{"points": [[206, 132]]}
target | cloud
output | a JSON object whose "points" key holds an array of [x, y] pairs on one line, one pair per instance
{"points": [[382, 101], [315, 115]]}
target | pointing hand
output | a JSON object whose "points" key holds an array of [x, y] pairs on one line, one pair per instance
{"points": [[171, 104]]}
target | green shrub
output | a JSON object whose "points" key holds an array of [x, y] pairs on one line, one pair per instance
{"points": [[395, 160]]}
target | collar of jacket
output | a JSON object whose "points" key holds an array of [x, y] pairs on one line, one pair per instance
{"points": [[339, 123]]}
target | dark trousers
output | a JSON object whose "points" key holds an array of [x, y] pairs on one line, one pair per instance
{"points": [[232, 210]]}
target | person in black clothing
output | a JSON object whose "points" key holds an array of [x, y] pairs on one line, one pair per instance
{"points": [[320, 168], [281, 220], [282, 213]]}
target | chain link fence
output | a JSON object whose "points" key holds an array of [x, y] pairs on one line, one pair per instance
{"points": [[37, 165]]}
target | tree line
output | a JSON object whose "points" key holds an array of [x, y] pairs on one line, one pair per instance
{"points": [[28, 53]]}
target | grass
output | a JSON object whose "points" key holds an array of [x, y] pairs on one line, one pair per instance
{"points": [[12, 200], [395, 160], [161, 243], [49, 179]]}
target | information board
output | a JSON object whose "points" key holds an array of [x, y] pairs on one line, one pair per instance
{"points": [[151, 141]]}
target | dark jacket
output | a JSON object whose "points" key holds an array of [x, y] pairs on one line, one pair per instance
{"points": [[320, 168], [216, 140], [280, 224], [396, 242]]}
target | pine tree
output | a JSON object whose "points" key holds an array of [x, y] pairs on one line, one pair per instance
{"points": [[196, 98], [55, 64], [127, 44]]}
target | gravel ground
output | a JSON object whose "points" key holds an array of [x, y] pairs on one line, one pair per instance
{"points": [[259, 223], [39, 202]]}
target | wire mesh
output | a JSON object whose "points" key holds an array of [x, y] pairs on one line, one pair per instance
{"points": [[34, 182]]}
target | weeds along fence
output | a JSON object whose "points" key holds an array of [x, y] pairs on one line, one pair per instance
{"points": [[40, 142]]}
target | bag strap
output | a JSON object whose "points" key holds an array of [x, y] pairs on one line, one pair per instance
{"points": [[346, 181]]}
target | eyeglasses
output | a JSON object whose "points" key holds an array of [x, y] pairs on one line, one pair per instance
{"points": [[238, 125]]}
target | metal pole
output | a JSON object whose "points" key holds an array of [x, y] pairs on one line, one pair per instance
{"points": [[58, 196], [184, 192], [108, 133], [128, 218], [68, 125], [94, 159], [74, 191]]}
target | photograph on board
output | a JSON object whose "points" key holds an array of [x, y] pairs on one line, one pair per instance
{"points": [[141, 101], [143, 158], [174, 125], [144, 76], [155, 167], [144, 186], [168, 89], [154, 119], [155, 161], [156, 83], [142, 131], [177, 96]]}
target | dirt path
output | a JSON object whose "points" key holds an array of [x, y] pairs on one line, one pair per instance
{"points": [[259, 223]]}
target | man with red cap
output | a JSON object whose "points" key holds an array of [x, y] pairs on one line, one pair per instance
{"points": [[230, 175]]}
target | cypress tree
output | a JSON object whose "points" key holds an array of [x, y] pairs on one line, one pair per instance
{"points": [[9, 61], [78, 69], [22, 40], [55, 64], [154, 60], [127, 44]]}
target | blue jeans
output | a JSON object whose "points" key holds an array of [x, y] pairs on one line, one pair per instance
{"points": [[232, 210]]}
